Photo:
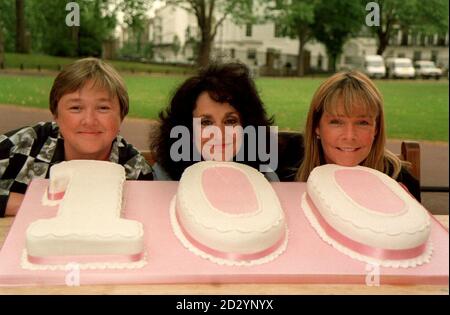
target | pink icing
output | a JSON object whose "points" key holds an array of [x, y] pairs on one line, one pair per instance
{"points": [[229, 190], [60, 260], [230, 255], [55, 196], [377, 252], [367, 190]]}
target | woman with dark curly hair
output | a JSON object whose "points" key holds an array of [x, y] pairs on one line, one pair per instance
{"points": [[216, 108]]}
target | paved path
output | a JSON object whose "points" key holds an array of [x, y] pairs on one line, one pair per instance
{"points": [[434, 155]]}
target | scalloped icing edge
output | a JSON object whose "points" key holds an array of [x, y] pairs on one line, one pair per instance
{"points": [[405, 263], [201, 222], [220, 261], [25, 264], [88, 236], [263, 230], [349, 221]]}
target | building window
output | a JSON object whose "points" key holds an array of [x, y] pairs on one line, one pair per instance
{"points": [[251, 54], [434, 55], [233, 53], [441, 40], [248, 30], [414, 39], [319, 62], [278, 32], [404, 41], [393, 40], [422, 40]]}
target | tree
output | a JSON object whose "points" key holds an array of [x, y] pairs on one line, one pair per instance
{"points": [[21, 46], [53, 36], [7, 19], [429, 17], [47, 29], [296, 19], [335, 22], [176, 46], [210, 14], [134, 16]]}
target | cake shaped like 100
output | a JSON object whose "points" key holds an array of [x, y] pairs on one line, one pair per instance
{"points": [[88, 228]]}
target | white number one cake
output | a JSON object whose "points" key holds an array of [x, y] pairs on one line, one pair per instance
{"points": [[88, 228]]}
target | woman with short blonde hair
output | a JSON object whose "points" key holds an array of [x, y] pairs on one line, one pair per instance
{"points": [[89, 101], [74, 76], [345, 126]]}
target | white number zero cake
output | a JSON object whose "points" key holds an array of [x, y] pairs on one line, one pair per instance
{"points": [[228, 213], [367, 215], [88, 228]]}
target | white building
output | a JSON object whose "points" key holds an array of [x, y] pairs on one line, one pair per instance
{"points": [[420, 47], [173, 32], [259, 46], [415, 47]]}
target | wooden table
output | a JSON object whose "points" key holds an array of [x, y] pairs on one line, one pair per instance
{"points": [[244, 289]]}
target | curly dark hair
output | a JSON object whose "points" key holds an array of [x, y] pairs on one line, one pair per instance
{"points": [[228, 82]]}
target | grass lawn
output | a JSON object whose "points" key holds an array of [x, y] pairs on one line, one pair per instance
{"points": [[417, 110]]}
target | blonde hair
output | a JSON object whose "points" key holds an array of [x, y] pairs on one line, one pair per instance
{"points": [[352, 88], [76, 75]]}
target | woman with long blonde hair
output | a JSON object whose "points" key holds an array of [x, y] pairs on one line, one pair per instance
{"points": [[345, 126]]}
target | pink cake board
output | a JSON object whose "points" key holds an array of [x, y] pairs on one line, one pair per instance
{"points": [[307, 258]]}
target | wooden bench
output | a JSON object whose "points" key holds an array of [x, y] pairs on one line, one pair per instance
{"points": [[410, 152], [290, 146]]}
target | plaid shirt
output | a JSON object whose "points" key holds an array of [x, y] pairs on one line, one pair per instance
{"points": [[29, 153]]}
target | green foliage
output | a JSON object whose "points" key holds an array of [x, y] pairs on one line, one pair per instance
{"points": [[414, 16], [429, 16], [7, 23], [176, 45], [134, 13], [335, 22], [293, 17], [131, 51], [135, 17], [45, 22], [210, 14], [61, 40]]}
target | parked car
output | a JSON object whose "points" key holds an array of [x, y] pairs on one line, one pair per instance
{"points": [[427, 69], [399, 68], [374, 66]]}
